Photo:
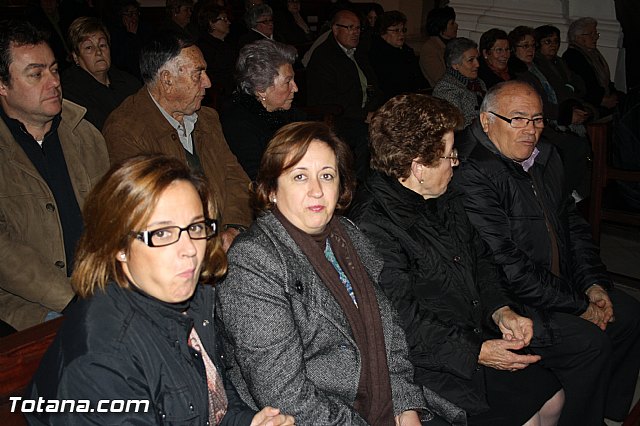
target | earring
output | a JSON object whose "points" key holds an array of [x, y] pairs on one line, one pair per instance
{"points": [[421, 181], [123, 256], [263, 99], [273, 200]]}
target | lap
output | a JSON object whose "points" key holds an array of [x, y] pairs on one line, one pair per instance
{"points": [[514, 397]]}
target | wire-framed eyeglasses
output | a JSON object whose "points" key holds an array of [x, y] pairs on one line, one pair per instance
{"points": [[521, 122], [453, 157], [350, 28], [201, 230]]}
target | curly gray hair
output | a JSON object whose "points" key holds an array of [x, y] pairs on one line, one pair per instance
{"points": [[253, 14], [578, 26], [455, 49], [258, 64]]}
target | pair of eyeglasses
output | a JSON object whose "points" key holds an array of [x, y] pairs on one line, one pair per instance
{"points": [[131, 14], [500, 50], [202, 230], [526, 46], [593, 34], [265, 21], [397, 30], [223, 18], [550, 42], [521, 122], [350, 28], [455, 160]]}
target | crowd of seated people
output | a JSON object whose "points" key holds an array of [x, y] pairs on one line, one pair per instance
{"points": [[221, 231]]}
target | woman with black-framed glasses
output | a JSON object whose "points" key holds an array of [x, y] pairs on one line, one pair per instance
{"points": [[143, 328], [393, 61]]}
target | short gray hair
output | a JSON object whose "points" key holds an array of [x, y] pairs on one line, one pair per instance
{"points": [[252, 15], [578, 26], [259, 62], [455, 49], [491, 102]]}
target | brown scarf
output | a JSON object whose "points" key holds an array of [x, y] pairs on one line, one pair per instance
{"points": [[373, 400]]}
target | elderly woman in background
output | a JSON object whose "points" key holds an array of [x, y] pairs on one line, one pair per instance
{"points": [[494, 57], [214, 26], [93, 82], [393, 61], [461, 331], [179, 16], [259, 20], [291, 25], [128, 35], [441, 27], [143, 328], [262, 102], [307, 324], [583, 58], [461, 85]]}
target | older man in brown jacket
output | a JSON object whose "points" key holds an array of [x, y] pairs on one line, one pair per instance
{"points": [[50, 157], [165, 117]]}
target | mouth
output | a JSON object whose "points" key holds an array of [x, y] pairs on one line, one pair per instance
{"points": [[187, 274], [316, 209]]}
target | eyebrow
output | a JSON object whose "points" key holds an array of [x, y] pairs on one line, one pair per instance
{"points": [[171, 223], [523, 114]]}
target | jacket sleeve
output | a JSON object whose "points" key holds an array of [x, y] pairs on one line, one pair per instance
{"points": [[120, 142], [431, 64], [580, 67], [586, 264], [260, 323], [531, 283], [433, 344], [37, 280]]}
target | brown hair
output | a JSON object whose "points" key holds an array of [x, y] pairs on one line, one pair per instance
{"points": [[83, 27], [287, 148], [122, 202], [408, 127]]}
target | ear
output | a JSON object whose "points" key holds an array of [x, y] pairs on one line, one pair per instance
{"points": [[121, 256], [3, 88], [416, 168], [484, 121], [166, 79]]}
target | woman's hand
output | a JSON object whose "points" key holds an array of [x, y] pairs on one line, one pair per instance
{"points": [[408, 418], [579, 116], [512, 325], [270, 416], [497, 353]]}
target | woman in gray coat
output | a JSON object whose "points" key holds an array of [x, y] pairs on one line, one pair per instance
{"points": [[307, 326]]}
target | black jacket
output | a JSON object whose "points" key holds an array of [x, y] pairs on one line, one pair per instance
{"points": [[397, 69], [82, 88], [508, 206], [123, 345], [439, 276]]}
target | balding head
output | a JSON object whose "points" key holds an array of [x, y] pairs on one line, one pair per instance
{"points": [[346, 28]]}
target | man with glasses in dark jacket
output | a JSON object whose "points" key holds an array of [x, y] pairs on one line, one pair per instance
{"points": [[586, 332]]}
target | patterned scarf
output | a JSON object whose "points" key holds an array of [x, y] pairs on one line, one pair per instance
{"points": [[472, 85]]}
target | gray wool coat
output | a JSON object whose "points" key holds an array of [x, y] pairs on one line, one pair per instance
{"points": [[452, 90], [287, 341]]}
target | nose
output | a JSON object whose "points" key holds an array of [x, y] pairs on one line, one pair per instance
{"points": [[294, 86], [206, 82], [186, 246], [315, 189]]}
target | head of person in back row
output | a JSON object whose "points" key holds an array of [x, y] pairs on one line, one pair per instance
{"points": [[262, 102], [50, 157], [175, 124], [461, 85], [495, 53], [179, 12]]}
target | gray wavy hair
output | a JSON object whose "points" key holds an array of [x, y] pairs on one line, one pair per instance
{"points": [[252, 15], [578, 26], [258, 64], [455, 49]]}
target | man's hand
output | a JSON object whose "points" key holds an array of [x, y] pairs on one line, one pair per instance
{"points": [[228, 236], [408, 418], [600, 309], [513, 326], [270, 416], [496, 353]]}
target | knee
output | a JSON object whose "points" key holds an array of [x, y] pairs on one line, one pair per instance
{"points": [[553, 407]]}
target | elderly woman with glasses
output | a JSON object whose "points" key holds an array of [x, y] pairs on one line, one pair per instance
{"points": [[214, 26], [394, 62], [494, 57], [583, 58], [464, 338], [143, 329], [93, 82], [259, 20], [461, 85]]}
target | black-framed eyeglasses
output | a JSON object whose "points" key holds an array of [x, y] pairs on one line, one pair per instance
{"points": [[223, 18], [455, 160], [398, 30], [265, 21], [201, 230], [521, 122], [350, 28]]}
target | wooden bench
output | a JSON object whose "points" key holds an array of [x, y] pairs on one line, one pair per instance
{"points": [[600, 134], [20, 355]]}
